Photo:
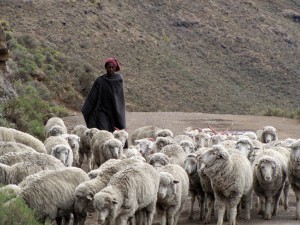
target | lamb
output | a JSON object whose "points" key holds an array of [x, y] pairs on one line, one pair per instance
{"points": [[144, 132], [52, 141], [6, 147], [145, 146], [13, 135], [231, 179], [121, 135], [294, 173], [169, 154], [85, 192], [55, 126], [16, 173], [164, 133], [172, 193], [130, 190], [269, 177], [106, 147], [12, 158], [195, 188], [161, 142], [52, 195], [64, 154], [268, 134], [73, 141]]}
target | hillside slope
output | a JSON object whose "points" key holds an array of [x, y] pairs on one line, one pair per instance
{"points": [[221, 56]]}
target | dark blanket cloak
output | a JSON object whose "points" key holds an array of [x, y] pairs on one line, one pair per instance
{"points": [[104, 108]]}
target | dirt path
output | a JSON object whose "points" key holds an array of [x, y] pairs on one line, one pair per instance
{"points": [[177, 122]]}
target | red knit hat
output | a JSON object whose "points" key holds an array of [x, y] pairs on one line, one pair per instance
{"points": [[114, 62]]}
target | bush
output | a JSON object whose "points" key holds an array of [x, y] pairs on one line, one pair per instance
{"points": [[15, 213]]}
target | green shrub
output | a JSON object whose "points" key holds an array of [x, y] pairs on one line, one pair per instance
{"points": [[16, 213]]}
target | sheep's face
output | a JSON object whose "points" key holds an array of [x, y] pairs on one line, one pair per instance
{"points": [[202, 140], [160, 143], [121, 135], [158, 160], [62, 153], [83, 201], [210, 156], [217, 139], [144, 146], [104, 205], [55, 131], [190, 165], [93, 174], [243, 147], [268, 137], [295, 154], [167, 185], [267, 168], [164, 133], [115, 147], [187, 146]]}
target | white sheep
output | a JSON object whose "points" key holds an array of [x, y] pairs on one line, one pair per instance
{"points": [[73, 141], [6, 147], [84, 193], [13, 135], [294, 173], [161, 142], [52, 141], [175, 153], [172, 193], [55, 126], [52, 195], [180, 137], [144, 132], [130, 190], [63, 153], [145, 146], [17, 157], [159, 159], [187, 146], [164, 133], [231, 179], [268, 134], [195, 188], [121, 135], [16, 173], [191, 132], [250, 134], [105, 147], [202, 140], [269, 178], [131, 151]]}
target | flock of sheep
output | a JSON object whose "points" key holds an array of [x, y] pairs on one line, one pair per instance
{"points": [[154, 176]]}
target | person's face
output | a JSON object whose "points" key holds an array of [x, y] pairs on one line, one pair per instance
{"points": [[110, 68]]}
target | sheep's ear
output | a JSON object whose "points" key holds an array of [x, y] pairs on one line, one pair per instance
{"points": [[175, 181], [222, 155], [114, 201], [90, 196]]}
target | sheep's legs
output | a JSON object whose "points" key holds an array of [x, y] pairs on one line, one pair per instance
{"points": [[268, 208], [221, 213], [163, 219], [232, 215], [297, 193], [276, 201], [286, 190], [201, 201], [191, 212], [148, 213], [210, 206]]}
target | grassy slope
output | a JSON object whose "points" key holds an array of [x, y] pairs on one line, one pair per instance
{"points": [[221, 56]]}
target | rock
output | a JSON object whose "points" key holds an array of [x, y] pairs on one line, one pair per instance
{"points": [[4, 55]]}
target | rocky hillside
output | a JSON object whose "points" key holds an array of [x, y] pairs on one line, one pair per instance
{"points": [[216, 56]]}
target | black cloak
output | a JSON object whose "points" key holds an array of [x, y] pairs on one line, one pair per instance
{"points": [[104, 108]]}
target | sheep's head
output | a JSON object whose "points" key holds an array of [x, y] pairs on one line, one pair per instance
{"points": [[56, 130], [187, 146], [144, 145], [269, 134], [267, 166], [202, 140], [121, 135], [83, 200], [114, 146], [295, 154], [158, 160], [190, 163], [62, 152], [105, 206], [167, 185], [245, 146], [164, 133], [161, 142]]}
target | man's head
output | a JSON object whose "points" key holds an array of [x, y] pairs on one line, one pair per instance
{"points": [[111, 65]]}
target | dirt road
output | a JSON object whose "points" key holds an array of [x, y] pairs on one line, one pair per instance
{"points": [[178, 121]]}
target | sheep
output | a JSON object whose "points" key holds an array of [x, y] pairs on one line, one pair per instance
{"points": [[131, 151], [187, 146], [13, 135], [268, 134], [229, 144], [250, 134], [85, 192], [52, 195], [202, 140], [64, 154], [145, 146], [52, 141], [231, 179], [6, 147], [217, 138], [195, 188], [105, 147], [10, 190], [206, 187], [164, 133], [144, 132], [161, 142], [55, 126], [181, 137], [121, 135], [16, 173], [269, 177], [189, 131], [73, 141], [159, 159], [130, 190], [172, 193], [17, 157], [294, 173]]}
